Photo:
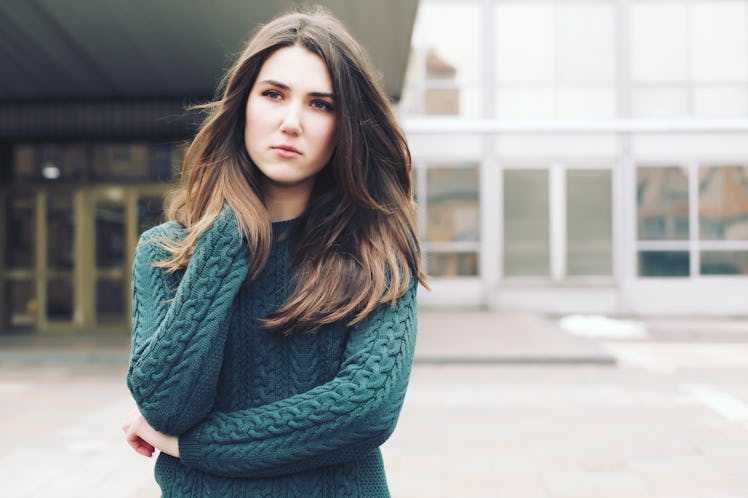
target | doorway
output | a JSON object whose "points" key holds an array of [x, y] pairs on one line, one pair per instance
{"points": [[66, 255]]}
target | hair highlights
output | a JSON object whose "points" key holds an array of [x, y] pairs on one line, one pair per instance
{"points": [[355, 246]]}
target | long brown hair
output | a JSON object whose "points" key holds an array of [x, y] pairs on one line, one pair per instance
{"points": [[355, 246]]}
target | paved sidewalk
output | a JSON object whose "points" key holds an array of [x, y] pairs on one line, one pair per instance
{"points": [[469, 337], [499, 405]]}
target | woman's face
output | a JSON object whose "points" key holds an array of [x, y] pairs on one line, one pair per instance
{"points": [[290, 119]]}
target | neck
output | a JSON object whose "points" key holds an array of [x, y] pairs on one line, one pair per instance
{"points": [[286, 203]]}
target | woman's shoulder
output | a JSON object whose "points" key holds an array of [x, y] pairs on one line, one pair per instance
{"points": [[151, 244], [170, 230]]}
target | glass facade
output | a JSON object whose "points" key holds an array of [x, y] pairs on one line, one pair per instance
{"points": [[95, 162], [589, 223], [72, 214], [723, 203], [452, 225], [662, 203], [526, 223]]}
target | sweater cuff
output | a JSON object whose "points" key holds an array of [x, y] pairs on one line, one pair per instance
{"points": [[189, 448]]}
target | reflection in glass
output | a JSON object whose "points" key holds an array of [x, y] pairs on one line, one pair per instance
{"points": [[723, 203], [110, 301], [150, 212], [589, 209], [60, 299], [120, 161], [20, 226], [452, 205], [110, 234], [135, 161], [60, 231], [439, 78], [452, 264], [662, 200], [664, 264], [49, 162], [526, 223], [724, 263], [21, 304]]}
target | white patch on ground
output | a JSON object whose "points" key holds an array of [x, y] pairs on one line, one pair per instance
{"points": [[726, 405], [601, 327]]}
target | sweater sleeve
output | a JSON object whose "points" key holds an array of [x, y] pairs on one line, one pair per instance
{"points": [[339, 421], [178, 337]]}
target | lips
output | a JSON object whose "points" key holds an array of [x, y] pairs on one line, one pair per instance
{"points": [[286, 149]]}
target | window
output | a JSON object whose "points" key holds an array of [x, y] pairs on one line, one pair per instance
{"points": [[554, 60], [526, 223], [451, 224], [99, 162], [676, 239], [444, 71], [589, 223], [688, 58]]}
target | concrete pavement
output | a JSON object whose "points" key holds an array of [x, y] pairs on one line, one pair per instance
{"points": [[500, 405]]}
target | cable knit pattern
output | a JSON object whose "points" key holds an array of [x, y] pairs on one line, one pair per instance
{"points": [[260, 413]]}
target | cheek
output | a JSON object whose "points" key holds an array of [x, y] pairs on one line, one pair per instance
{"points": [[328, 135]]}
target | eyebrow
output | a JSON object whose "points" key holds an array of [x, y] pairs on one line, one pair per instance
{"points": [[286, 87]]}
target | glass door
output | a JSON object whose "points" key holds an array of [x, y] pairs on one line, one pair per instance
{"points": [[19, 306], [111, 257]]}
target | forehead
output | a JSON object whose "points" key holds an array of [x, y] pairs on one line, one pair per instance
{"points": [[296, 66]]}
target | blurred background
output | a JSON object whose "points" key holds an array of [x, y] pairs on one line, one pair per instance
{"points": [[581, 172], [570, 155]]}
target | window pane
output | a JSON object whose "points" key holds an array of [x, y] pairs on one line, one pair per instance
{"points": [[134, 162], [664, 264], [524, 34], [442, 26], [110, 301], [60, 299], [452, 205], [659, 41], [526, 223], [120, 162], [586, 34], [720, 101], [536, 102], [49, 162], [723, 203], [582, 102], [21, 304], [724, 263], [110, 233], [20, 226], [662, 200], [442, 34], [719, 38], [659, 102], [452, 264], [589, 222], [443, 101], [60, 232]]}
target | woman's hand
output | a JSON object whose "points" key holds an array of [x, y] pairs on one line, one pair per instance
{"points": [[144, 439]]}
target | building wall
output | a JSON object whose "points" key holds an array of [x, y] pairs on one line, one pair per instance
{"points": [[596, 160]]}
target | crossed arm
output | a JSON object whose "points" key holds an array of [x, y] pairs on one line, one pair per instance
{"points": [[338, 421]]}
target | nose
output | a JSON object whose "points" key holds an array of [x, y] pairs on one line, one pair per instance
{"points": [[292, 120]]}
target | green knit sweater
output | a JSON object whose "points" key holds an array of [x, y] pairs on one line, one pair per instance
{"points": [[260, 414]]}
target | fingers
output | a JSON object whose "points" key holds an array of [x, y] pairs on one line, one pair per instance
{"points": [[137, 443]]}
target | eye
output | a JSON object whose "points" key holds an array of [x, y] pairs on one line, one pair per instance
{"points": [[322, 105], [272, 94]]}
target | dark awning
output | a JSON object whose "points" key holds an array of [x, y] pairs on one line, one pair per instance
{"points": [[146, 49]]}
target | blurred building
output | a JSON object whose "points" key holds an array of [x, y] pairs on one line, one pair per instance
{"points": [[582, 155], [93, 127], [570, 155]]}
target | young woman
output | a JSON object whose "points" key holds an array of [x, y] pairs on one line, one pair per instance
{"points": [[274, 315]]}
